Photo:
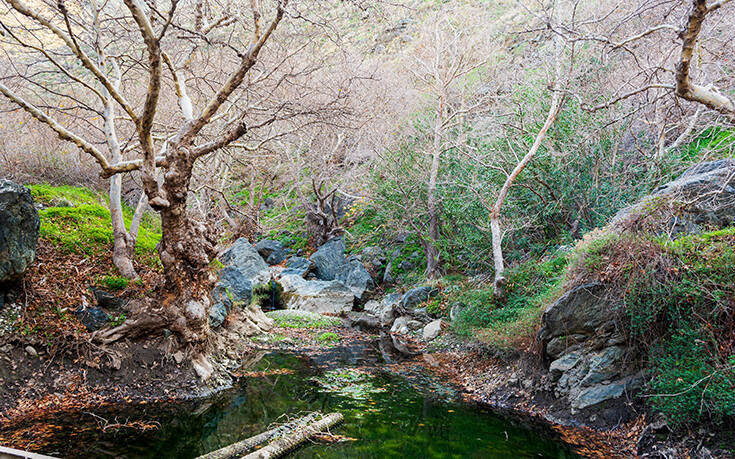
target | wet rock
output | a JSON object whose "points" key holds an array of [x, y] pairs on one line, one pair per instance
{"points": [[432, 330], [92, 318], [19, 226], [416, 296], [272, 251], [317, 295], [299, 266], [31, 351]]}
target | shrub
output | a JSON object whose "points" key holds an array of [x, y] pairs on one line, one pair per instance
{"points": [[115, 282]]}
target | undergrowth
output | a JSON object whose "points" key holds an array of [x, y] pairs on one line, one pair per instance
{"points": [[678, 301]]}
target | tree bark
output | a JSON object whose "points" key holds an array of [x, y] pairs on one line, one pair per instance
{"points": [[432, 253], [123, 249]]}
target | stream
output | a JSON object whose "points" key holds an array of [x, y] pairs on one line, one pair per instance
{"points": [[387, 414]]}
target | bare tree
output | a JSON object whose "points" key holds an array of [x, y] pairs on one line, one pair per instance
{"points": [[165, 166]]}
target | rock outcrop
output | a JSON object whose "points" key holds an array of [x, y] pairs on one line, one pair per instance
{"points": [[331, 264], [320, 296], [581, 334], [19, 226], [243, 268]]}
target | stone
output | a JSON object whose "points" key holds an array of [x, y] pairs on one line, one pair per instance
{"points": [[604, 365], [388, 276], [19, 226], [565, 363], [562, 344], [106, 300], [60, 202], [243, 256], [580, 310], [354, 275], [373, 256], [272, 251], [31, 351], [237, 285], [92, 318], [329, 259], [299, 266], [363, 321], [317, 295], [432, 330], [373, 307], [400, 325], [598, 394], [396, 254], [221, 305], [406, 266], [416, 296], [388, 309]]}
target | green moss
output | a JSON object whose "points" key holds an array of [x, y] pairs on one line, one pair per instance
{"points": [[85, 227], [302, 319], [328, 338]]}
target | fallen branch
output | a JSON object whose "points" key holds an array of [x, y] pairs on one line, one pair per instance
{"points": [[283, 445], [242, 447]]}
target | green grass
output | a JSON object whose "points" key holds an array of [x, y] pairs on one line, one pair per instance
{"points": [[505, 323], [86, 228], [328, 338], [115, 282], [302, 319]]}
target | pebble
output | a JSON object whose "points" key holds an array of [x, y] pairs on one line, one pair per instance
{"points": [[30, 350]]}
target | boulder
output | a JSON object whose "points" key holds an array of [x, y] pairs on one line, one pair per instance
{"points": [[354, 275], [331, 264], [416, 296], [329, 259], [400, 325], [92, 318], [19, 226], [316, 296], [363, 321], [432, 330], [374, 257], [373, 307], [388, 309], [236, 283], [271, 251], [299, 266], [388, 276], [243, 256], [221, 305]]}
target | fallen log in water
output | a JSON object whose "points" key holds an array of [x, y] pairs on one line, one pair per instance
{"points": [[283, 445], [242, 447]]}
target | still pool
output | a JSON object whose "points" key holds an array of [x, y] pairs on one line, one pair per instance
{"points": [[387, 415]]}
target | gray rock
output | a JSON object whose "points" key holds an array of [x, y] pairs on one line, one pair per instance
{"points": [[579, 311], [387, 276], [221, 305], [60, 202], [299, 266], [598, 394], [237, 284], [316, 296], [363, 320], [243, 256], [329, 259], [604, 365], [432, 330], [416, 296], [92, 318], [400, 325], [373, 307], [406, 266], [354, 275], [388, 309], [396, 254], [272, 251], [565, 363], [31, 351], [19, 225], [374, 257]]}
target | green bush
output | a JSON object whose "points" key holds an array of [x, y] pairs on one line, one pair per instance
{"points": [[115, 282]]}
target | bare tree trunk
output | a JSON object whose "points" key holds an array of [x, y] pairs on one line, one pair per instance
{"points": [[432, 253], [123, 243], [557, 99]]}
